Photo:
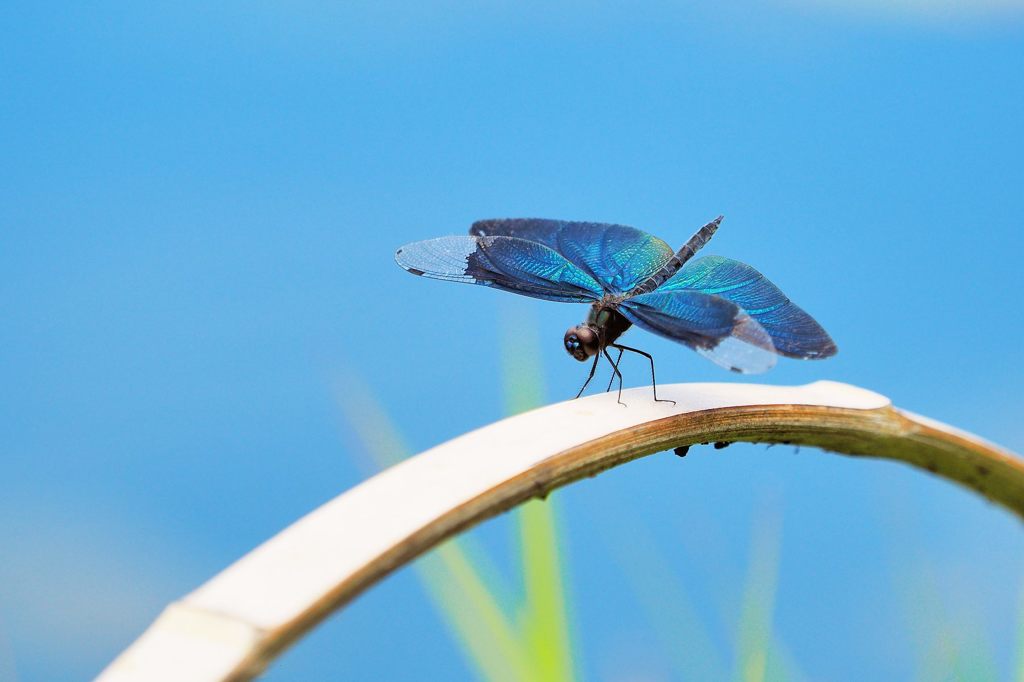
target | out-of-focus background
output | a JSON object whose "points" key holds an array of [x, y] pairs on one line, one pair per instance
{"points": [[199, 204]]}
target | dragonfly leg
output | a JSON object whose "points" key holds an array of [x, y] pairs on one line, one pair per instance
{"points": [[654, 383], [616, 373], [612, 377], [593, 368]]}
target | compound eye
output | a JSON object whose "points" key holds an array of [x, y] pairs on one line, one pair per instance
{"points": [[572, 343]]}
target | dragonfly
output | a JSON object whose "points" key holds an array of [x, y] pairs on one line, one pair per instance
{"points": [[723, 309]]}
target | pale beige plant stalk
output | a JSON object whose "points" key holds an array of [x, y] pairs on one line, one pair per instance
{"points": [[231, 627]]}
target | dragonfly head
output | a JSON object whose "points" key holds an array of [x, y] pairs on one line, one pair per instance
{"points": [[582, 342]]}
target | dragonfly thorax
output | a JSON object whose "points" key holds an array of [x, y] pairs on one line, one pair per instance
{"points": [[603, 326]]}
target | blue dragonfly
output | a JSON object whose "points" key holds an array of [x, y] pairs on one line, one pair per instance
{"points": [[723, 309]]}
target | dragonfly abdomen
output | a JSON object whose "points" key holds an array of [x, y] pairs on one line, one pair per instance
{"points": [[685, 253]]}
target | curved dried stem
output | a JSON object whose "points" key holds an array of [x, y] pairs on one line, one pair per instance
{"points": [[234, 625]]}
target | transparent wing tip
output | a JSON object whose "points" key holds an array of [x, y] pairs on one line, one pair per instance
{"points": [[747, 350]]}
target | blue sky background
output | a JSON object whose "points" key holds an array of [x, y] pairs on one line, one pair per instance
{"points": [[198, 210]]}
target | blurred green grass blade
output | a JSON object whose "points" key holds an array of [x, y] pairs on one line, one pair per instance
{"points": [[972, 648], [521, 371], [544, 621], [666, 603], [934, 648], [782, 664], [755, 631], [975, 661], [950, 642], [963, 652], [459, 590], [376, 433], [544, 618], [481, 627]]}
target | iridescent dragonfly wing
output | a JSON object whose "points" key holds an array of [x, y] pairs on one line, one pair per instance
{"points": [[517, 265], [793, 332], [713, 326], [617, 256]]}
